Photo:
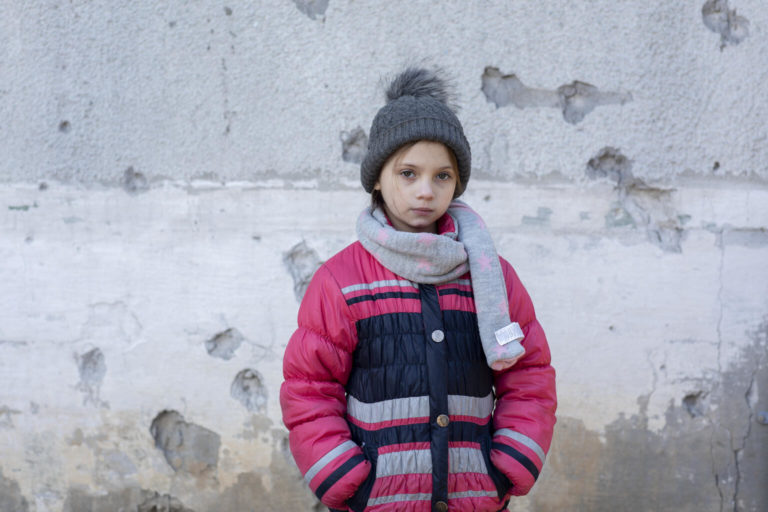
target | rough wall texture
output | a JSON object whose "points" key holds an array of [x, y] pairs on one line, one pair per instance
{"points": [[173, 172]]}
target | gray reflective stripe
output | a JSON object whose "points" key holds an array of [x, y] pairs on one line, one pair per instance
{"points": [[326, 459], [377, 284], [466, 460], [387, 410], [461, 405], [472, 494], [394, 498], [417, 407], [524, 440], [406, 462], [409, 462]]}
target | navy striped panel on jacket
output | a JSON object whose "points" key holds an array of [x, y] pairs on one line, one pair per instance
{"points": [[411, 368]]}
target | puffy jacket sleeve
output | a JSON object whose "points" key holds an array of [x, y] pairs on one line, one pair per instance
{"points": [[524, 416], [316, 367]]}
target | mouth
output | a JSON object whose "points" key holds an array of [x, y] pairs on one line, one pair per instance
{"points": [[422, 211]]}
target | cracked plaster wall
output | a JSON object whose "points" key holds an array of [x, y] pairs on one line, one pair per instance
{"points": [[173, 173]]}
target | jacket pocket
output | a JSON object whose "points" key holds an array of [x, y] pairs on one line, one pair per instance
{"points": [[359, 500], [500, 480]]}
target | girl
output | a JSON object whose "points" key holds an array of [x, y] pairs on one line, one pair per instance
{"points": [[419, 378]]}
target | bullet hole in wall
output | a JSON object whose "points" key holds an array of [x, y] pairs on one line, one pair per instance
{"points": [[354, 145], [188, 448], [227, 11], [716, 166], [301, 261], [64, 127], [43, 186], [248, 388], [718, 18], [575, 100], [693, 403], [224, 344], [312, 8], [134, 182]]}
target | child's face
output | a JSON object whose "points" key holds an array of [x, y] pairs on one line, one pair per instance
{"points": [[417, 185]]}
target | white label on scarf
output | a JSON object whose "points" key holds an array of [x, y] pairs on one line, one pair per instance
{"points": [[510, 333]]}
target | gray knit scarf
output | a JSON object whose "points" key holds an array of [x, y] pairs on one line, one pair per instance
{"points": [[433, 259]]}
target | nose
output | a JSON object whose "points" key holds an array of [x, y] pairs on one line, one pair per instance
{"points": [[425, 190]]}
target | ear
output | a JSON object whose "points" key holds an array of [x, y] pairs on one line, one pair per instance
{"points": [[377, 186]]}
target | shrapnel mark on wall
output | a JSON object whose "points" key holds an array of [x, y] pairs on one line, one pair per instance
{"points": [[301, 261], [312, 8], [248, 389], [224, 344], [354, 145], [92, 368], [575, 100], [187, 447], [638, 204], [134, 182], [718, 18]]}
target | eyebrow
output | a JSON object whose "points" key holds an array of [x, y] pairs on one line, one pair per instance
{"points": [[409, 164]]}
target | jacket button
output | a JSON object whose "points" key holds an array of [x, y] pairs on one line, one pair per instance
{"points": [[443, 420], [438, 335], [441, 506]]}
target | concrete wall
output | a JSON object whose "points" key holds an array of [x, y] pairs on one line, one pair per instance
{"points": [[173, 172]]}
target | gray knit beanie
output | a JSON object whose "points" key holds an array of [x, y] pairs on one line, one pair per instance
{"points": [[416, 109]]}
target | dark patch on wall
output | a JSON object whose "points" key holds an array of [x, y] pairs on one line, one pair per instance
{"points": [[312, 8], [575, 100], [163, 503], [188, 448], [718, 18], [134, 182], [301, 261], [129, 500], [639, 205], [755, 238], [287, 488], [224, 344], [23, 207], [11, 499], [6, 417], [64, 126], [248, 389], [541, 219], [92, 368], [354, 145], [227, 11], [713, 459], [694, 403]]}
